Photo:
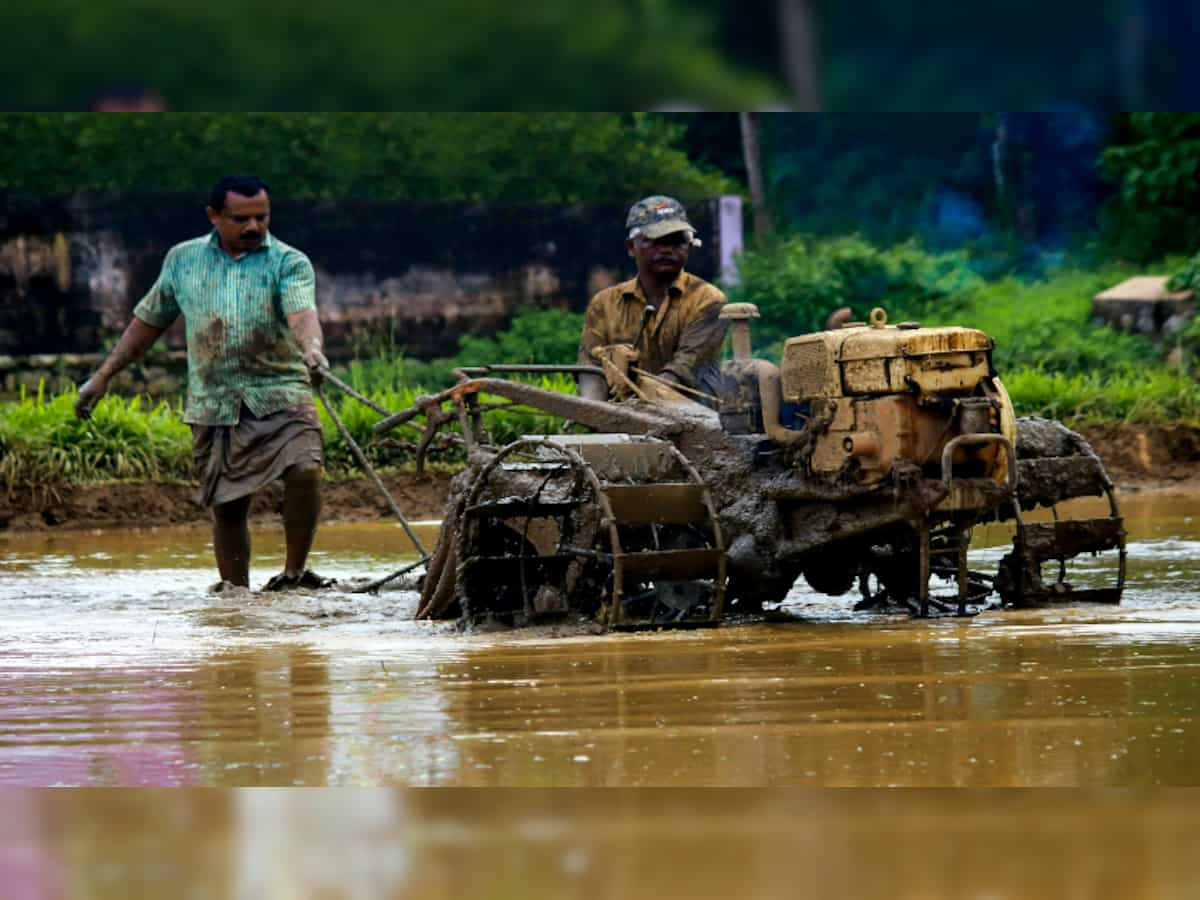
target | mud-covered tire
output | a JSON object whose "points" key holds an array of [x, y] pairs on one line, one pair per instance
{"points": [[747, 595], [833, 579]]}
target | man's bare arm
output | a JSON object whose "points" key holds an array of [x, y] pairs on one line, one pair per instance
{"points": [[306, 329], [138, 337]]}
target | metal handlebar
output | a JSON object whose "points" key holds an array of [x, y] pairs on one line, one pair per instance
{"points": [[968, 439]]}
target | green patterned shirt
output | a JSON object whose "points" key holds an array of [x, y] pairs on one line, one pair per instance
{"points": [[235, 310]]}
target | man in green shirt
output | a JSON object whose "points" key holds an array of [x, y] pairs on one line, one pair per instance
{"points": [[254, 347]]}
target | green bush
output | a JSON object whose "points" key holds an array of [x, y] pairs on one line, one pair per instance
{"points": [[1047, 325], [384, 373], [535, 336], [547, 336], [1156, 162], [539, 336], [1187, 276], [797, 282]]}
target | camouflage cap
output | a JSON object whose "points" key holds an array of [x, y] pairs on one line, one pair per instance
{"points": [[657, 216]]}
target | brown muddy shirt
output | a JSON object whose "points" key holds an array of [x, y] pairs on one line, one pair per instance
{"points": [[684, 336]]}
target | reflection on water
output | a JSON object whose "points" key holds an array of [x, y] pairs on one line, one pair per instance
{"points": [[118, 668], [622, 845]]}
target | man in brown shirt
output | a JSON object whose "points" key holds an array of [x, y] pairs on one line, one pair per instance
{"points": [[682, 339]]}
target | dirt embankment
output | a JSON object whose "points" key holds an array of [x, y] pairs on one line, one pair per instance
{"points": [[1149, 456], [144, 504], [1160, 457]]}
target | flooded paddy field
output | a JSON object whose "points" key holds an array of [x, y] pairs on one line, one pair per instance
{"points": [[117, 667]]}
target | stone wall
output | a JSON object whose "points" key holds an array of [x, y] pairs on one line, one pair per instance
{"points": [[160, 375], [414, 277]]}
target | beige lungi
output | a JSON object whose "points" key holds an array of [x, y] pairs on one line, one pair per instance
{"points": [[233, 461]]}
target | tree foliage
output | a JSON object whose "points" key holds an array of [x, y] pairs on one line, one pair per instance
{"points": [[796, 283], [598, 54], [455, 54], [495, 157], [1157, 163], [873, 174]]}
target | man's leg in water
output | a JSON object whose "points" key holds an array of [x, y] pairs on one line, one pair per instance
{"points": [[231, 540], [301, 508]]}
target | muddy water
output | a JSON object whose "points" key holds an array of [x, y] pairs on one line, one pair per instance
{"points": [[624, 845], [117, 667]]}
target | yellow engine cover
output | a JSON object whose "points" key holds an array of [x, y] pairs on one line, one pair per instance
{"points": [[870, 361]]}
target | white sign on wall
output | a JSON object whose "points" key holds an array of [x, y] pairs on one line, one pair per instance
{"points": [[729, 236]]}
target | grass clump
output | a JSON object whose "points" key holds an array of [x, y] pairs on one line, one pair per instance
{"points": [[41, 441], [1143, 398], [546, 336]]}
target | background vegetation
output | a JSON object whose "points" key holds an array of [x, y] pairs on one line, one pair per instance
{"points": [[1007, 187], [456, 54], [1155, 158], [517, 158], [602, 54], [1053, 361], [996, 221]]}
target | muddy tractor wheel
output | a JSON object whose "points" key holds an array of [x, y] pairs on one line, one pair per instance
{"points": [[749, 594], [1056, 465], [833, 577], [610, 527]]}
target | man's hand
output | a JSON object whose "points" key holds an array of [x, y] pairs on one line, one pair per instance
{"points": [[134, 342], [306, 329], [90, 393], [316, 362]]}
